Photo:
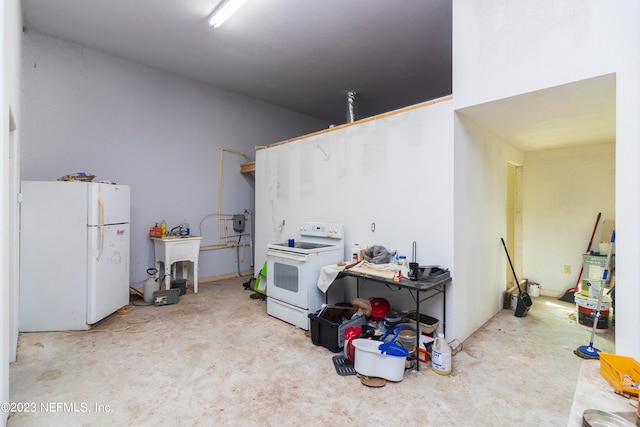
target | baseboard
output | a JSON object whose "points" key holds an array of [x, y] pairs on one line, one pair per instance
{"points": [[246, 273]]}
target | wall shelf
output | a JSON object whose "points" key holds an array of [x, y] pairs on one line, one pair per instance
{"points": [[248, 167]]}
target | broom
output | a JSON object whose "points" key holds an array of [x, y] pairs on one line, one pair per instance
{"points": [[524, 300], [589, 351]]}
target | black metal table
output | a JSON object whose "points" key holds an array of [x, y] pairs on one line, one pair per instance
{"points": [[415, 287]]}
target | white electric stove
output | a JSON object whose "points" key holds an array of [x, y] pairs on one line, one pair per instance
{"points": [[292, 272]]}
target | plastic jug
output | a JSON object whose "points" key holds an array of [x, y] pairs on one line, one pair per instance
{"points": [[441, 356], [155, 231]]}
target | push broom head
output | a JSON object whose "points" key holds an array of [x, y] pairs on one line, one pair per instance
{"points": [[587, 352]]}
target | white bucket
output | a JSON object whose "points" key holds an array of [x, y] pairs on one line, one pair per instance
{"points": [[586, 308], [370, 362], [593, 302], [603, 247], [533, 289]]}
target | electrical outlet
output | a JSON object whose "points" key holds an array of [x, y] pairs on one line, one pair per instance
{"points": [[238, 222], [567, 269]]}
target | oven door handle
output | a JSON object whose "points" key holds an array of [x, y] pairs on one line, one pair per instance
{"points": [[287, 255]]}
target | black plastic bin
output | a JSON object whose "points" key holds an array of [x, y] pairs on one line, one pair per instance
{"points": [[328, 326], [180, 284]]}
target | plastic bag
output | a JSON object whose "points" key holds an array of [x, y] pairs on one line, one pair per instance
{"points": [[377, 254], [363, 304]]}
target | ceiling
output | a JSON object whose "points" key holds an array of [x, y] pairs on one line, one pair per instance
{"points": [[304, 56], [578, 113]]}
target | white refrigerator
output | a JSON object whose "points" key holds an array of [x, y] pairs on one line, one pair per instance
{"points": [[74, 254]]}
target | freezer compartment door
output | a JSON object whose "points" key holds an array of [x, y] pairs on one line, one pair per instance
{"points": [[108, 272], [108, 204]]}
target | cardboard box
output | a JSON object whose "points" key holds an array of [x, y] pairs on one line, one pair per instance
{"points": [[425, 341]]}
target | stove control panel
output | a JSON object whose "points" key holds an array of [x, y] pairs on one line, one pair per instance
{"points": [[329, 230]]}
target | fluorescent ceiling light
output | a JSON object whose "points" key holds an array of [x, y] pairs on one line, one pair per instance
{"points": [[223, 13]]}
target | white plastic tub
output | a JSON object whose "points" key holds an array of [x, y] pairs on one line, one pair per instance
{"points": [[370, 362], [586, 309], [533, 289]]}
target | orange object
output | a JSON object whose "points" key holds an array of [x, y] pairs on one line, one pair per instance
{"points": [[622, 372], [155, 231]]}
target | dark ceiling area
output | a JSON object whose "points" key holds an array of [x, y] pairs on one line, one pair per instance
{"points": [[303, 56]]}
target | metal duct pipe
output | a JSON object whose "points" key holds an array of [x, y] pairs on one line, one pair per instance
{"points": [[352, 108]]}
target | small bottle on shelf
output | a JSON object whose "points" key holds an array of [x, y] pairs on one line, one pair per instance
{"points": [[355, 253]]}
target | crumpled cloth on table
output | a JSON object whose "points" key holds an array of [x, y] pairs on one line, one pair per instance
{"points": [[328, 274]]}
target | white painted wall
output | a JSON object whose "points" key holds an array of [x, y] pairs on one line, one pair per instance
{"points": [[505, 48], [564, 191], [88, 111], [501, 49], [480, 163], [394, 171], [10, 48]]}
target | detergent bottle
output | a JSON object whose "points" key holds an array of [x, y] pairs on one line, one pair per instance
{"points": [[441, 356], [155, 231]]}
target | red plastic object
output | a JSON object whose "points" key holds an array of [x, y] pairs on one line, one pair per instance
{"points": [[379, 308], [155, 231], [350, 334]]}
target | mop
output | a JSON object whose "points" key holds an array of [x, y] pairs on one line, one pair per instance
{"points": [[589, 351]]}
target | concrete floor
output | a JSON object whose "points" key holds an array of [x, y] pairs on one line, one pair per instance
{"points": [[217, 358]]}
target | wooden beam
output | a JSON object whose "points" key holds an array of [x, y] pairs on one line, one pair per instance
{"points": [[248, 167], [367, 119]]}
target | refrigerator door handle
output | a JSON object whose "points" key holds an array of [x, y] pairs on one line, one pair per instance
{"points": [[101, 205]]}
